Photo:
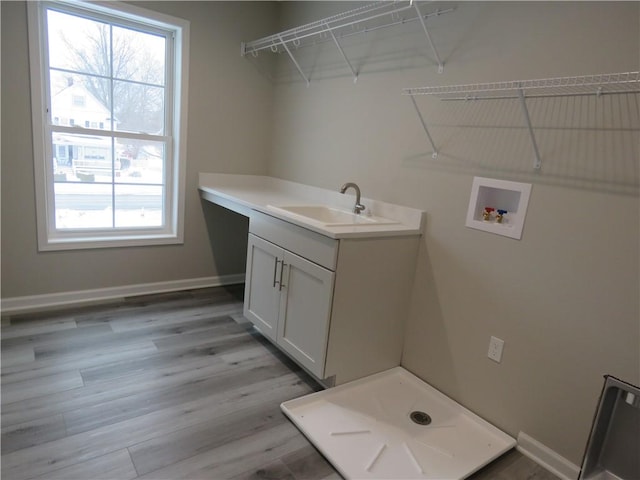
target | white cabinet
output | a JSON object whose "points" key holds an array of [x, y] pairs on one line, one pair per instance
{"points": [[336, 307], [262, 293], [288, 298]]}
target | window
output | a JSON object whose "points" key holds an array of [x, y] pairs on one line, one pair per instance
{"points": [[78, 100], [118, 182]]}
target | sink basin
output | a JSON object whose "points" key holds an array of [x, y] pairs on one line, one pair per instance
{"points": [[332, 216]]}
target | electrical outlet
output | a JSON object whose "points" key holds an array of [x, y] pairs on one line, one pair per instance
{"points": [[496, 345]]}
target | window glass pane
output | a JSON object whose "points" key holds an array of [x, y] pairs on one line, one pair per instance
{"points": [[139, 108], [81, 98], [138, 206], [83, 158], [83, 205], [78, 44], [138, 56], [140, 161]]}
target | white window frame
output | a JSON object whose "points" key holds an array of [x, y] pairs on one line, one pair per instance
{"points": [[172, 232]]}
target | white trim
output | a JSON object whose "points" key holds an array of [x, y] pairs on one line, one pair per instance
{"points": [[40, 302], [176, 31], [543, 455]]}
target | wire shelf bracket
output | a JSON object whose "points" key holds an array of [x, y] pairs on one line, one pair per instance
{"points": [[344, 56], [332, 28], [599, 85], [434, 154], [426, 32]]}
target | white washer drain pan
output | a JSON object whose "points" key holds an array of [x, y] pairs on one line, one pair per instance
{"points": [[364, 429]]}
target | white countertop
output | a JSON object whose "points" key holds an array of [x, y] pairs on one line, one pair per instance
{"points": [[243, 193]]}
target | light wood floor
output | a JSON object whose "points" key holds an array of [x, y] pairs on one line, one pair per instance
{"points": [[160, 387]]}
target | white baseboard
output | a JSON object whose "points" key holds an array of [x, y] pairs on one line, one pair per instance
{"points": [[546, 457], [80, 297]]}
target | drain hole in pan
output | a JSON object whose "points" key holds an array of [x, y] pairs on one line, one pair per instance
{"points": [[420, 418]]}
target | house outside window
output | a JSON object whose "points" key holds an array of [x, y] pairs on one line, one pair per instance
{"points": [[118, 182]]}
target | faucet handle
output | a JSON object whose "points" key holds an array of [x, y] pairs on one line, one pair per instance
{"points": [[358, 208]]}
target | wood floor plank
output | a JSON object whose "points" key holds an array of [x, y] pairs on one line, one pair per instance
{"points": [[83, 419], [307, 463], [112, 466], [169, 357], [75, 360], [189, 366], [513, 465], [27, 434], [149, 305], [274, 471], [195, 338], [162, 451], [200, 328], [41, 459], [37, 327], [180, 309], [18, 356], [234, 458], [42, 316], [187, 317], [26, 389], [70, 337], [105, 392]]}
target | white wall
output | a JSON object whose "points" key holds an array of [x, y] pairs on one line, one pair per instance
{"points": [[229, 107], [565, 297]]}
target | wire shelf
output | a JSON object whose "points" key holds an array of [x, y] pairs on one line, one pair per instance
{"points": [[627, 82], [303, 34], [603, 84], [334, 28]]}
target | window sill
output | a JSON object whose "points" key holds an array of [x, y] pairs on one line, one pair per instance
{"points": [[89, 242]]}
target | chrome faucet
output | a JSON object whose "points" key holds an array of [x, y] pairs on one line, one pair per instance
{"points": [[358, 207]]}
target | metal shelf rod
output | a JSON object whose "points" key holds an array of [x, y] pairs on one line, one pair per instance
{"points": [[536, 163], [353, 72], [295, 62], [426, 130], [426, 32]]}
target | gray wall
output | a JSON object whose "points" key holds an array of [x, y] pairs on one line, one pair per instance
{"points": [[230, 107], [565, 297]]}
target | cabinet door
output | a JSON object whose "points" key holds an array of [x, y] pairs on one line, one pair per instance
{"points": [[305, 311], [262, 294]]}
